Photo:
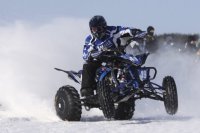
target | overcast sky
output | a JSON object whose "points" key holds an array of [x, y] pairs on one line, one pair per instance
{"points": [[166, 15]]}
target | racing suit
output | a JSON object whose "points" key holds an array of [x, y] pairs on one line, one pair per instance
{"points": [[115, 37]]}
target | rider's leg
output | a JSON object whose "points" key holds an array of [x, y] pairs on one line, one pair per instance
{"points": [[88, 78]]}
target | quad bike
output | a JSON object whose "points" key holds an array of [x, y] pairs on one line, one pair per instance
{"points": [[121, 80]]}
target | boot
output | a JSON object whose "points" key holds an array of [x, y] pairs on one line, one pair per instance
{"points": [[86, 92]]}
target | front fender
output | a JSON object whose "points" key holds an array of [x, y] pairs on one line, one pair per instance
{"points": [[104, 73]]}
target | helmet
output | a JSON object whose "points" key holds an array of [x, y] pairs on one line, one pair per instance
{"points": [[150, 30], [98, 26]]}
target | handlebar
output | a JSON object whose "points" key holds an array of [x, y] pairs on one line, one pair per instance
{"points": [[105, 54]]}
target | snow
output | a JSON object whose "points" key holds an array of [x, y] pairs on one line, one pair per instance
{"points": [[28, 83], [154, 124]]}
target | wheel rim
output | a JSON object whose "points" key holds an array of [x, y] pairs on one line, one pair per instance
{"points": [[61, 105]]}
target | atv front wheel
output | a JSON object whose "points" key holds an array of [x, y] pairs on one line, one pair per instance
{"points": [[68, 104], [105, 99], [170, 95], [125, 110]]}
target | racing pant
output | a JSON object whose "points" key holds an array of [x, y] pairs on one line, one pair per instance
{"points": [[88, 76]]}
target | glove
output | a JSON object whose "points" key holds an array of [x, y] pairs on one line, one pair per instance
{"points": [[135, 31], [133, 44], [95, 54]]}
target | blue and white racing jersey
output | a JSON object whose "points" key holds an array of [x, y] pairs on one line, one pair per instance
{"points": [[113, 39]]}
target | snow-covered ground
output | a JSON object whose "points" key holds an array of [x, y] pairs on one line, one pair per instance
{"points": [[139, 125], [28, 83]]}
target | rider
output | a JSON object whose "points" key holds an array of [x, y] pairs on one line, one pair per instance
{"points": [[103, 37]]}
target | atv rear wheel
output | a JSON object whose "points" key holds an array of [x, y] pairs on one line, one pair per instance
{"points": [[125, 110], [170, 95], [105, 99], [68, 104]]}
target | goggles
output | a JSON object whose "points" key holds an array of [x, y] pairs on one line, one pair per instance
{"points": [[97, 29]]}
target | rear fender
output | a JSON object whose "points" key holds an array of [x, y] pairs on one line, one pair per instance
{"points": [[75, 76]]}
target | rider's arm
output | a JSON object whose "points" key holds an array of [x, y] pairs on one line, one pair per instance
{"points": [[132, 32], [88, 47], [121, 32]]}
